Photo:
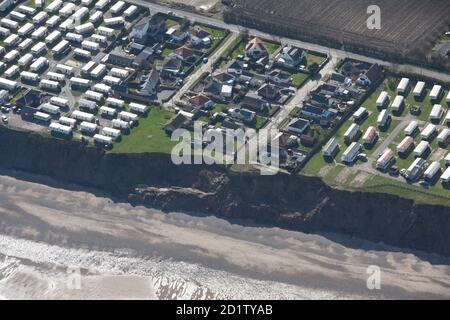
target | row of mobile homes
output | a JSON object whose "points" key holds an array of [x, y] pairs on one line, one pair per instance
{"points": [[42, 117], [432, 172], [39, 33], [80, 14], [445, 177], [39, 48], [39, 64], [90, 45], [25, 44], [11, 72], [131, 11], [67, 25], [68, 9], [4, 32], [12, 40], [102, 4], [8, 23], [11, 56], [99, 38], [53, 21], [115, 21], [87, 68], [416, 170], [85, 28], [18, 16], [118, 7], [40, 17]]}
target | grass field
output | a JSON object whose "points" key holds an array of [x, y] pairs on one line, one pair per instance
{"points": [[148, 136]]}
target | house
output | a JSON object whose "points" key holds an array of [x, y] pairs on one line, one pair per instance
{"points": [[269, 91], [254, 104], [184, 54], [213, 88], [171, 67], [255, 49], [144, 56], [224, 78], [291, 56], [150, 85], [176, 35], [236, 67], [328, 89], [199, 37], [201, 101], [243, 115], [32, 98], [372, 75], [298, 126], [179, 121], [119, 58], [278, 77], [338, 78], [321, 100], [148, 27], [230, 124], [316, 113]]}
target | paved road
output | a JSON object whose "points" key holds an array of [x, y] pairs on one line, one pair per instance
{"points": [[336, 54], [206, 67]]}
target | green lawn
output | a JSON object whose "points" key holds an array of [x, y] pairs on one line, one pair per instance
{"points": [[171, 23], [239, 50], [313, 58], [148, 136], [298, 78], [271, 46]]}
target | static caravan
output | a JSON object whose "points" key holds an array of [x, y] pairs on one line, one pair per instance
{"points": [[114, 102], [382, 100], [128, 116], [12, 40], [54, 6], [68, 121], [87, 3], [443, 136], [448, 98], [117, 7], [11, 56], [39, 3], [83, 116], [61, 47], [405, 146], [331, 148], [40, 17], [428, 132], [80, 82], [403, 86], [15, 15], [352, 133], [103, 140], [39, 48], [398, 104], [351, 153], [120, 124], [105, 31], [25, 60], [138, 108], [60, 102], [111, 80], [39, 33], [383, 118], [7, 84], [99, 71], [101, 4], [59, 128], [39, 64], [432, 171], [49, 84], [42, 116], [447, 159], [68, 9], [56, 76], [111, 132], [25, 44], [92, 95], [419, 89], [445, 177], [360, 114], [385, 160], [26, 29], [80, 14], [11, 72], [67, 25], [27, 10], [29, 76], [87, 68], [412, 128], [421, 149], [88, 127], [107, 112], [96, 17], [416, 169], [130, 11], [8, 23], [436, 93], [114, 21], [84, 28], [2, 50], [82, 53], [370, 136], [87, 105], [118, 72], [4, 32], [99, 38], [90, 45], [436, 112], [53, 37], [50, 109], [67, 70], [78, 38], [53, 21], [103, 88]]}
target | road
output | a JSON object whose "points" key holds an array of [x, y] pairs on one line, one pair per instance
{"points": [[206, 67], [334, 53]]}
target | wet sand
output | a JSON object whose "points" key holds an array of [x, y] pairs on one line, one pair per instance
{"points": [[120, 251]]}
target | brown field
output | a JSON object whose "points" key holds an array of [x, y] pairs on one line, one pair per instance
{"points": [[407, 26]]}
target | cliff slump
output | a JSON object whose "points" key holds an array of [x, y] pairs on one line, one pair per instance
{"points": [[291, 202]]}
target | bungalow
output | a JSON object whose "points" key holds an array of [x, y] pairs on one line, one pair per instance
{"points": [[291, 56], [224, 78], [199, 37], [243, 114], [201, 101], [269, 92], [184, 54], [171, 67], [150, 85], [177, 122], [298, 126], [255, 49]]}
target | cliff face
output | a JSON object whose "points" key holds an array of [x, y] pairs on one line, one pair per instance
{"points": [[292, 202]]}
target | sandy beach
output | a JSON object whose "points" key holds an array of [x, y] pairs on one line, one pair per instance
{"points": [[57, 243]]}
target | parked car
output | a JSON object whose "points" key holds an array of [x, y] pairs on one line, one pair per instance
{"points": [[393, 171], [5, 119], [362, 157], [424, 184]]}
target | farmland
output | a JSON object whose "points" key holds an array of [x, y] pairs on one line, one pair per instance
{"points": [[407, 27]]}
